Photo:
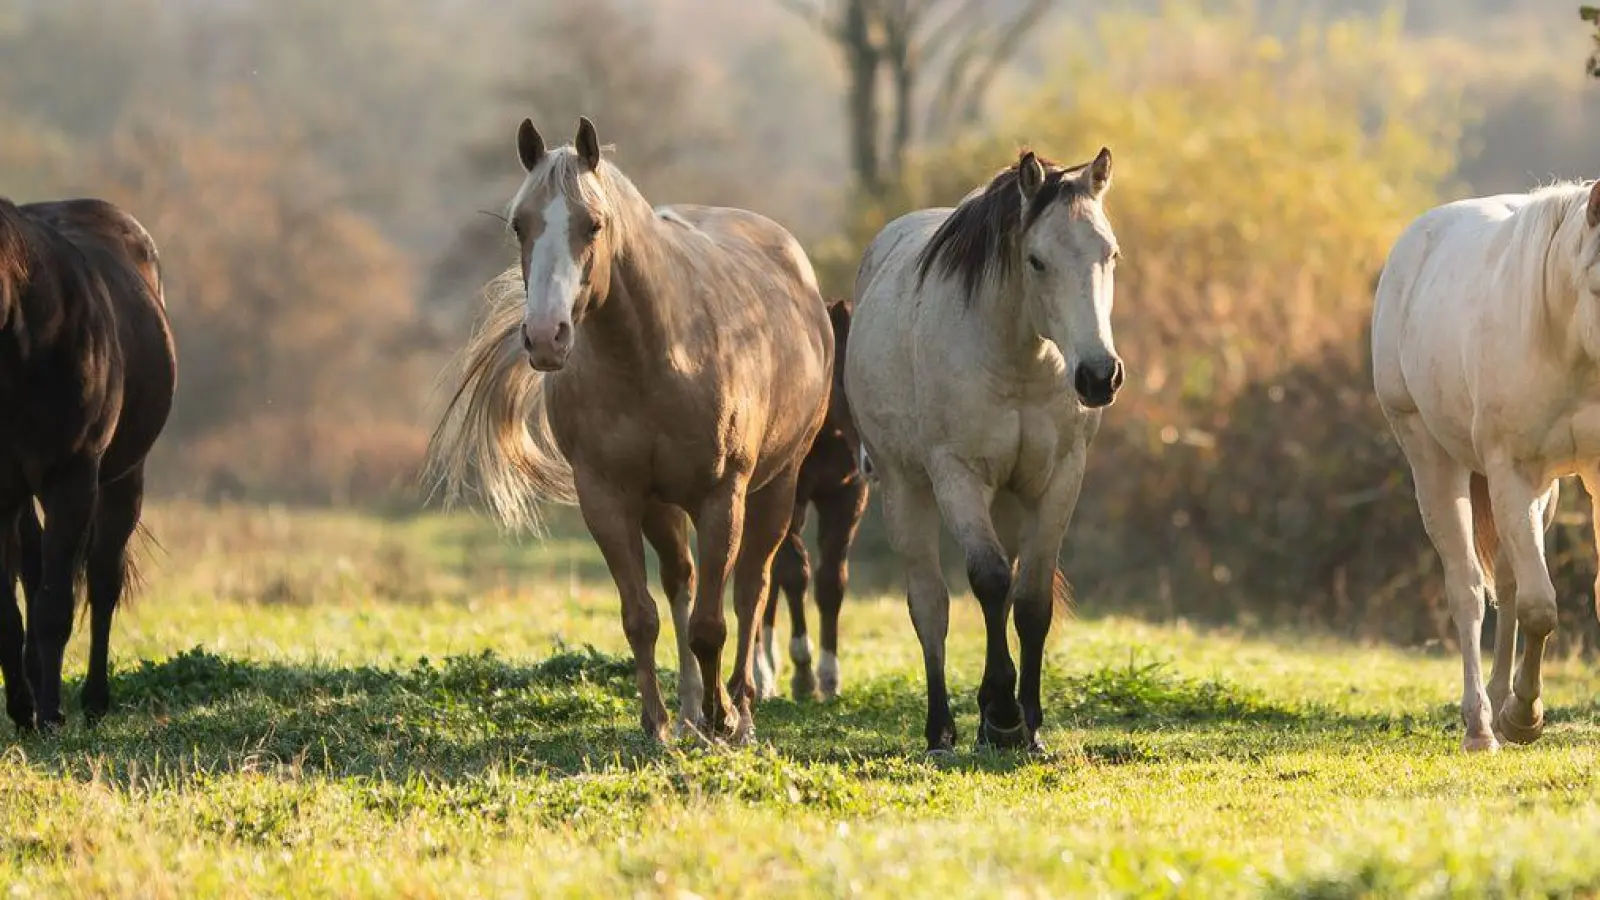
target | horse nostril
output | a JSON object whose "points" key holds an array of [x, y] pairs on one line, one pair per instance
{"points": [[1080, 381], [563, 334], [527, 341], [1116, 375]]}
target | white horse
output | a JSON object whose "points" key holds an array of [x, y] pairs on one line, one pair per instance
{"points": [[978, 362], [1486, 360]]}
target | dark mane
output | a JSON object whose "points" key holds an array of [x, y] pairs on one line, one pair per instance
{"points": [[13, 257], [982, 231]]}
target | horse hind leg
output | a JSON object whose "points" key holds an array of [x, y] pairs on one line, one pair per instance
{"points": [[911, 519], [107, 566], [791, 577], [839, 517], [667, 530], [768, 513], [69, 509], [1441, 486]]}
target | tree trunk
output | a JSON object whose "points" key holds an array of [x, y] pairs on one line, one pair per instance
{"points": [[865, 57]]}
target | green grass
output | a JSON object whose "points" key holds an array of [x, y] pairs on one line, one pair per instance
{"points": [[327, 705]]}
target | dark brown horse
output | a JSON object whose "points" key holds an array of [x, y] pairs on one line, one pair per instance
{"points": [[831, 481], [654, 366], [87, 373]]}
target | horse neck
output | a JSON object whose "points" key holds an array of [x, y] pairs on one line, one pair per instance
{"points": [[631, 327], [1575, 324], [1007, 342]]}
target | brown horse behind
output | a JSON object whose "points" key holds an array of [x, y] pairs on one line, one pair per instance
{"points": [[87, 374], [655, 366], [831, 481]]}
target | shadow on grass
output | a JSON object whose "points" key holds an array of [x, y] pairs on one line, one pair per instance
{"points": [[575, 714]]}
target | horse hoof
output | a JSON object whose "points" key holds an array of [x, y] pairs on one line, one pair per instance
{"points": [[691, 732], [1003, 738], [803, 684], [941, 753], [828, 676], [1519, 732], [1481, 744]]}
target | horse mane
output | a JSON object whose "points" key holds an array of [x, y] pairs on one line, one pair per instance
{"points": [[975, 240], [1538, 225], [13, 257]]}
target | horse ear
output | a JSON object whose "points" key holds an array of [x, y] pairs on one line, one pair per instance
{"points": [[1594, 204], [1030, 174], [588, 143], [530, 145], [1100, 172]]}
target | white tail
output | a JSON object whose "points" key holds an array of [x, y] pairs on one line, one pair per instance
{"points": [[497, 424]]}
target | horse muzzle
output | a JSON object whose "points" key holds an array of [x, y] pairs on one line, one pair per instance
{"points": [[1097, 383], [547, 346]]}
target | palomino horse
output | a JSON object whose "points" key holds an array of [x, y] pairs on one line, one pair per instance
{"points": [[979, 360], [1485, 348], [831, 481], [87, 373], [652, 365]]}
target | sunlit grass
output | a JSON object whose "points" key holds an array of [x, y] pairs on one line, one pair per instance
{"points": [[332, 705]]}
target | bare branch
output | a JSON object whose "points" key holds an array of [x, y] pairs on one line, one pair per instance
{"points": [[1003, 49], [811, 13], [958, 20]]}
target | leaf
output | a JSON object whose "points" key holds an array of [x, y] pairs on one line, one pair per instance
{"points": [[1589, 13]]}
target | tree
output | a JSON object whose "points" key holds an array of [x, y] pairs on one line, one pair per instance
{"points": [[955, 48], [1591, 14]]}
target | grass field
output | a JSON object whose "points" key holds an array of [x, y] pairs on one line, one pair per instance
{"points": [[337, 706]]}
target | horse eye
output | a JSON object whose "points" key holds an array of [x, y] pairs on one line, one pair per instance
{"points": [[1035, 262], [597, 227], [516, 229]]}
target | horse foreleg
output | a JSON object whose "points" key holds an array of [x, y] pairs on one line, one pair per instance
{"points": [[13, 668], [838, 517], [69, 509], [766, 522], [1505, 592], [911, 518], [667, 530], [615, 519], [1034, 590], [965, 501], [115, 520], [1519, 518], [717, 531]]}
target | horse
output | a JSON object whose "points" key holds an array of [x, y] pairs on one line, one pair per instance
{"points": [[831, 481], [88, 370], [653, 366], [980, 362], [1485, 354]]}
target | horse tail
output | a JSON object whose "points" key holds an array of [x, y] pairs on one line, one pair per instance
{"points": [[1485, 537], [497, 423], [1061, 593]]}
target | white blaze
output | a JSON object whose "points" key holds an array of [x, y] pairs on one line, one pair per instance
{"points": [[553, 275]]}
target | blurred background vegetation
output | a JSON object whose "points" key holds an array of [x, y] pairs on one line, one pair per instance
{"points": [[322, 177]]}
